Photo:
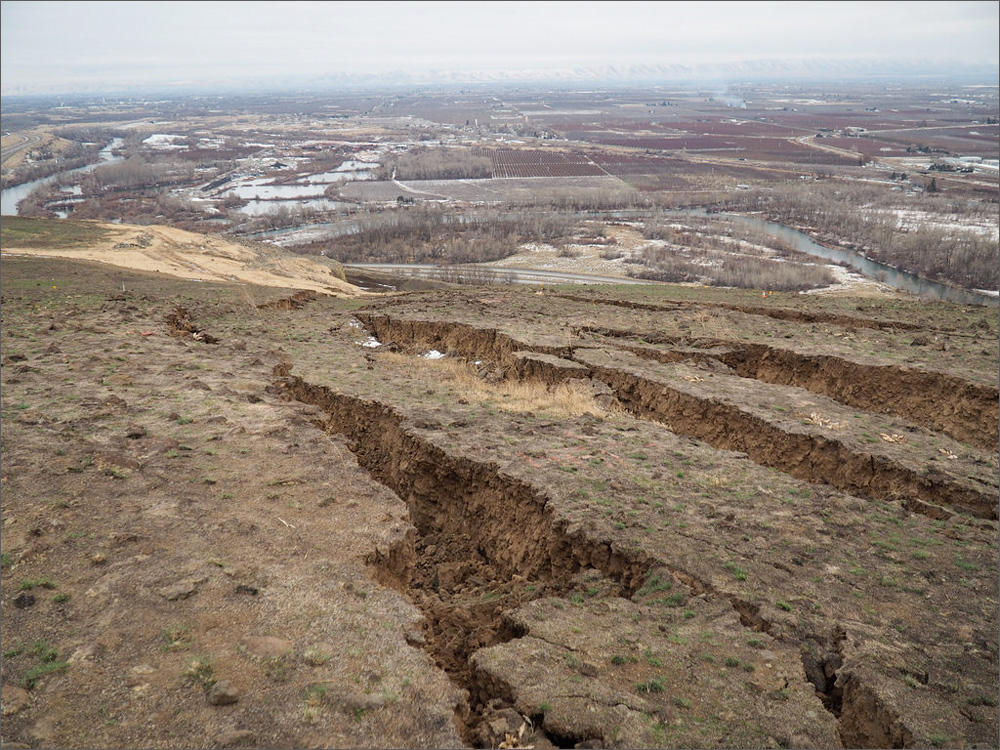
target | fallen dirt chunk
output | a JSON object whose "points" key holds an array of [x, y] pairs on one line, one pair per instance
{"points": [[266, 646], [222, 693], [181, 589], [236, 738], [14, 699], [180, 324]]}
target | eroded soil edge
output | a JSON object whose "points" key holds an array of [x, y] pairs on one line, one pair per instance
{"points": [[812, 457], [486, 542], [965, 411]]}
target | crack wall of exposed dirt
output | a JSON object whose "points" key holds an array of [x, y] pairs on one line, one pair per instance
{"points": [[821, 662], [180, 325], [945, 403], [866, 721], [778, 313], [457, 338], [484, 541], [807, 456], [294, 302], [811, 457]]}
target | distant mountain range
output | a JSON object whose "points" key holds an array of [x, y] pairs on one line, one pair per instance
{"points": [[814, 69], [115, 80]]}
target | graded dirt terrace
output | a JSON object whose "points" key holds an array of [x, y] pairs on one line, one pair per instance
{"points": [[663, 518], [178, 253]]}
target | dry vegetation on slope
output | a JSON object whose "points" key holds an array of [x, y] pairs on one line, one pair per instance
{"points": [[675, 518], [175, 252]]}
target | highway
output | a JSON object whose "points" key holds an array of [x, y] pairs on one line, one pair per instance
{"points": [[515, 275]]}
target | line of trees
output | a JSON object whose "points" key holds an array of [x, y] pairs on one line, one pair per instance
{"points": [[430, 235], [436, 164], [718, 233], [77, 155], [861, 218], [719, 269]]}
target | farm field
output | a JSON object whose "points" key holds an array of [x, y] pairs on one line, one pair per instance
{"points": [[529, 189], [474, 515], [500, 375], [310, 173]]}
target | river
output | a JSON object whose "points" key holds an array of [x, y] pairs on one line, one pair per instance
{"points": [[10, 197], [902, 280], [802, 242]]}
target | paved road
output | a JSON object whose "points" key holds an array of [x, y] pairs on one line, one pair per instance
{"points": [[30, 140], [517, 275]]}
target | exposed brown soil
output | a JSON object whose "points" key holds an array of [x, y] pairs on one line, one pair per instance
{"points": [[966, 411], [371, 553], [814, 457]]}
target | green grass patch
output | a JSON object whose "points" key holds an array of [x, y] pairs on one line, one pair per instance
{"points": [[653, 686], [19, 231], [38, 671], [738, 573], [29, 583], [654, 584]]}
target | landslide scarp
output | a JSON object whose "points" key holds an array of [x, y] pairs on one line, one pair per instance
{"points": [[736, 413], [486, 542]]}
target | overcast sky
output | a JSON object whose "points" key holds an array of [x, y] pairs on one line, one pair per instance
{"points": [[94, 46]]}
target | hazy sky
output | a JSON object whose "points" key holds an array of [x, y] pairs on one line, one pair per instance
{"points": [[90, 46]]}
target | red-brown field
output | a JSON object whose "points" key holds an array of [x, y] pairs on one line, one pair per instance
{"points": [[509, 162], [865, 146]]}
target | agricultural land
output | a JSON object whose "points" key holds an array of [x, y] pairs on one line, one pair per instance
{"points": [[501, 417]]}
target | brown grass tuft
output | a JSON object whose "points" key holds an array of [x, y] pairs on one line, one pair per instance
{"points": [[570, 399]]}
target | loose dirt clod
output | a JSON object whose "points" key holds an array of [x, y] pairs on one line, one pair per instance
{"points": [[179, 323], [406, 549]]}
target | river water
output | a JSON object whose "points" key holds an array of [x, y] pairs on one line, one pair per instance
{"points": [[895, 278], [802, 242], [10, 197]]}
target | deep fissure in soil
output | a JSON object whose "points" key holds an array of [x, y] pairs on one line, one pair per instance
{"points": [[486, 542], [806, 456], [813, 458], [778, 313], [963, 410]]}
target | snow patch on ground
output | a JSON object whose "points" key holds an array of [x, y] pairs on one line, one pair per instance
{"points": [[909, 219], [849, 282], [164, 141]]}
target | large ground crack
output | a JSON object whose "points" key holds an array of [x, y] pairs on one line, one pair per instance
{"points": [[806, 455], [778, 313], [486, 541], [965, 411]]}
